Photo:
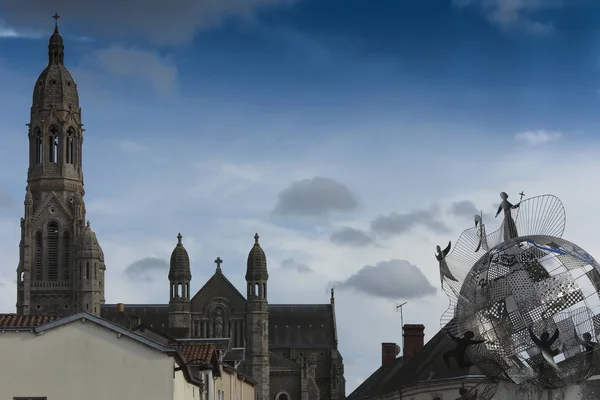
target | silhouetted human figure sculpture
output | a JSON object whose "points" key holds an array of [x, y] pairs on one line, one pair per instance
{"points": [[481, 233], [444, 270], [586, 342], [509, 226], [543, 343], [461, 346], [589, 347]]}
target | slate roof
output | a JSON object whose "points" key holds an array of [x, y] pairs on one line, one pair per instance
{"points": [[14, 321], [290, 325], [155, 316], [234, 355], [377, 380], [298, 325], [427, 365], [280, 362]]}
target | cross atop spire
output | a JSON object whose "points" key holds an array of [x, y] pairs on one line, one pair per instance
{"points": [[218, 261], [56, 17], [179, 237], [256, 238]]}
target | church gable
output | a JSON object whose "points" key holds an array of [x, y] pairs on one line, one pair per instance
{"points": [[218, 286], [52, 208]]}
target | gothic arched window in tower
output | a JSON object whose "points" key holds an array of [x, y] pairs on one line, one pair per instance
{"points": [[38, 146], [70, 145], [53, 145], [39, 273], [52, 251], [66, 255]]}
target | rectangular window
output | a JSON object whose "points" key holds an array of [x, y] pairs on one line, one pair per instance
{"points": [[30, 398]]}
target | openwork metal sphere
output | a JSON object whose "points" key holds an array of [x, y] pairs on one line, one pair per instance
{"points": [[528, 289], [524, 303]]}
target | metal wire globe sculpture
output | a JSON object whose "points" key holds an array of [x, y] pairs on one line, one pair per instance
{"points": [[524, 303]]}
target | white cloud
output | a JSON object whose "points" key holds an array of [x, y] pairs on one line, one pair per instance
{"points": [[139, 64], [536, 138], [12, 33], [516, 14], [130, 146]]}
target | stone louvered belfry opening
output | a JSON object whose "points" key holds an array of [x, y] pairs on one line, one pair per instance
{"points": [[66, 256], [70, 145], [39, 272], [52, 251]]}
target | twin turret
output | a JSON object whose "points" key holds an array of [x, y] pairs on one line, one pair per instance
{"points": [[257, 314]]}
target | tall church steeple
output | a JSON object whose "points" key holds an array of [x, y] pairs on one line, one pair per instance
{"points": [[53, 228]]}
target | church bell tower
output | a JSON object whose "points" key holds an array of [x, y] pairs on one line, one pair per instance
{"points": [[51, 278]]}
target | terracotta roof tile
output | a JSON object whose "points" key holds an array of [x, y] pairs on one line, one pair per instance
{"points": [[197, 351], [14, 321]]}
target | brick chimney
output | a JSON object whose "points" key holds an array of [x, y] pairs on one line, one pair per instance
{"points": [[389, 351], [413, 339]]}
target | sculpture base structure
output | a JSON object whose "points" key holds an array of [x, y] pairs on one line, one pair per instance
{"points": [[589, 390], [508, 390]]}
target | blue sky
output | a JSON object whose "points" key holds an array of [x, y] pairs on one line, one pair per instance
{"points": [[207, 117]]}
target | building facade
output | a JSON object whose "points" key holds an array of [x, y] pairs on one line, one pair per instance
{"points": [[291, 350], [84, 356], [420, 373]]}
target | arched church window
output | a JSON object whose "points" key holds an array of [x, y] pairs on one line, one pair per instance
{"points": [[196, 327], [265, 290], [256, 290], [70, 145], [95, 271], [282, 396], [53, 145], [66, 255], [52, 251], [38, 146], [179, 291], [39, 274]]}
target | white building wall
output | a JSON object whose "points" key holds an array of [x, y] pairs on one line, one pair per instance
{"points": [[183, 390], [83, 360]]}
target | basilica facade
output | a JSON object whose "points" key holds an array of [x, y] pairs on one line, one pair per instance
{"points": [[291, 350]]}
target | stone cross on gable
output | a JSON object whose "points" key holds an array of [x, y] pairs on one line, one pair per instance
{"points": [[218, 261]]}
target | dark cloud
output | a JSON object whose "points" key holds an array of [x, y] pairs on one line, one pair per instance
{"points": [[351, 237], [315, 197], [147, 269], [175, 24], [396, 224], [291, 264], [467, 210], [394, 279], [139, 64], [464, 208]]}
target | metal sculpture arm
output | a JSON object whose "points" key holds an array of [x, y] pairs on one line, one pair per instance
{"points": [[553, 338], [499, 211], [577, 338], [537, 341]]}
